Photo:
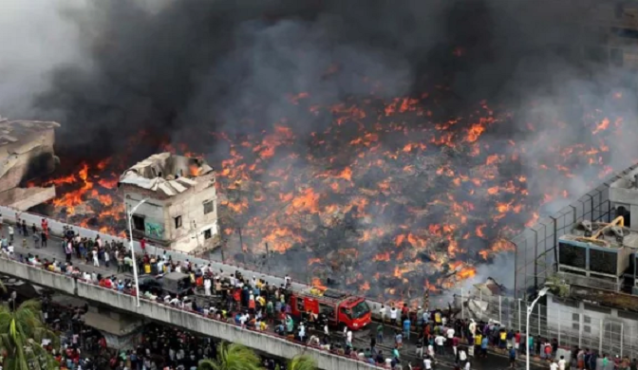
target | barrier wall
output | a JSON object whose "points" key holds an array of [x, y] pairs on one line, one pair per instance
{"points": [[37, 276], [264, 342]]}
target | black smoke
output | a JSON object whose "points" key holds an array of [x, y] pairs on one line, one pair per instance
{"points": [[176, 68]]}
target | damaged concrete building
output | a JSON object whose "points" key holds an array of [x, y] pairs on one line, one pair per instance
{"points": [[26, 152], [180, 211]]}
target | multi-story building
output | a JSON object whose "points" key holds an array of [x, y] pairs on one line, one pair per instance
{"points": [[180, 207]]}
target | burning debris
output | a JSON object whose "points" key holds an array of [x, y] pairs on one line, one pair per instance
{"points": [[371, 202]]}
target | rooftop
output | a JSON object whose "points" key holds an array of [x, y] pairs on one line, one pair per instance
{"points": [[13, 131], [166, 173], [629, 180], [604, 298], [607, 235]]}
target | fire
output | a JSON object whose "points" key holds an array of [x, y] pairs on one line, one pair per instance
{"points": [[382, 256], [365, 286], [603, 125], [378, 189], [467, 273], [194, 170], [316, 282]]}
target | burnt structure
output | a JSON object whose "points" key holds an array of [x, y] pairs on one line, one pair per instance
{"points": [[180, 202], [26, 152]]}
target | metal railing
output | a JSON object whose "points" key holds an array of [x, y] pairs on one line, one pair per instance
{"points": [[535, 246], [572, 324], [228, 321]]}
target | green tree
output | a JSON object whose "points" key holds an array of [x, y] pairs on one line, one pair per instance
{"points": [[21, 335], [232, 357], [302, 362]]}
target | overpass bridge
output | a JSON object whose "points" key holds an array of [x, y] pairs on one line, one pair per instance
{"points": [[265, 342], [189, 320]]}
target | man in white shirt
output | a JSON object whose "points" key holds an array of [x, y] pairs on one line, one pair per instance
{"points": [[302, 332], [562, 363], [393, 315], [427, 363], [242, 319], [207, 285], [462, 355], [450, 333], [382, 313], [553, 366], [439, 341]]}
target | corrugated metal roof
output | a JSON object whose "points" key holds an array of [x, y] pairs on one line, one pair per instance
{"points": [[166, 173]]}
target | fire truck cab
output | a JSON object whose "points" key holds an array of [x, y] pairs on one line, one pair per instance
{"points": [[339, 308]]}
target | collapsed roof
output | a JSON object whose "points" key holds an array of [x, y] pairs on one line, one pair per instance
{"points": [[166, 173], [13, 131]]}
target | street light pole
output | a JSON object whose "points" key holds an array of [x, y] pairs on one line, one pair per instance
{"points": [[530, 309], [130, 229]]}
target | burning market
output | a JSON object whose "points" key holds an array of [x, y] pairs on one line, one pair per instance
{"points": [[383, 174]]}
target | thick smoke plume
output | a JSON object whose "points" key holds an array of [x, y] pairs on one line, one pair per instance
{"points": [[177, 70]]}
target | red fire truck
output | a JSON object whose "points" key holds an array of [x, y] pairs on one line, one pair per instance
{"points": [[339, 308]]}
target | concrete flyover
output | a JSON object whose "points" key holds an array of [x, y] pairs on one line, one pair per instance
{"points": [[266, 343], [57, 228]]}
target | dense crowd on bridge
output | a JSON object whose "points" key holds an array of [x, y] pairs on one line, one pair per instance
{"points": [[158, 347], [254, 304]]}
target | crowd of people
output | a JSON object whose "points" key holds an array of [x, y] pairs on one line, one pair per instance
{"points": [[253, 303], [156, 348]]}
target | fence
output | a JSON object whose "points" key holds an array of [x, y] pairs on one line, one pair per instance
{"points": [[535, 254], [573, 324]]}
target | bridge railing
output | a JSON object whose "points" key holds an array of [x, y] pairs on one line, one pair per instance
{"points": [[57, 228], [71, 285]]}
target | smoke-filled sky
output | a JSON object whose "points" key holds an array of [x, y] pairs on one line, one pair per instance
{"points": [[107, 69], [110, 68]]}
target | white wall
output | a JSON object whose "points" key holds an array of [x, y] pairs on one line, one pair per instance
{"points": [[606, 332]]}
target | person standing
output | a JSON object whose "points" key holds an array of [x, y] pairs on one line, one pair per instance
{"points": [[427, 363], [380, 332], [455, 346], [207, 285], [393, 315], [96, 261], [439, 341], [10, 234], [562, 363], [484, 342], [406, 328], [419, 347], [302, 332], [68, 251], [512, 352]]}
